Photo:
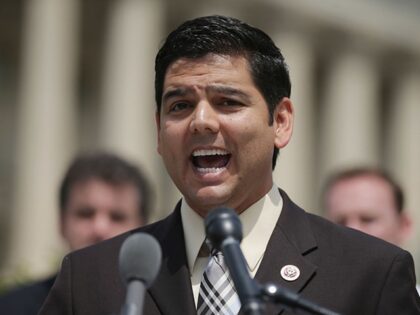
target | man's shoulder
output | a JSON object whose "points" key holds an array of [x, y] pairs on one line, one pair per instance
{"points": [[344, 243], [26, 299], [339, 240], [31, 289], [350, 265], [338, 233]]}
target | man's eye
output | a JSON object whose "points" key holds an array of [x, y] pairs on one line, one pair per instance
{"points": [[230, 102], [176, 107], [118, 217], [84, 213], [341, 221], [367, 220]]}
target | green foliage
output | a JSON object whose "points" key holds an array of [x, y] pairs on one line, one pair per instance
{"points": [[15, 277]]}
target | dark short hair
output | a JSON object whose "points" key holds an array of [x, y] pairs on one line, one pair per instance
{"points": [[378, 173], [111, 169], [222, 35]]}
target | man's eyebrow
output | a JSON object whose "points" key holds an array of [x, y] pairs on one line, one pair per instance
{"points": [[228, 91], [174, 92]]}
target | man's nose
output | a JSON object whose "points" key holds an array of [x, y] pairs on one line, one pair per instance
{"points": [[101, 228], [204, 119]]}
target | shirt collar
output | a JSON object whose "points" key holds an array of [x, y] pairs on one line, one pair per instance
{"points": [[258, 222], [194, 232]]}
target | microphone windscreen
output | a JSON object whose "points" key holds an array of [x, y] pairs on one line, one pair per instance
{"points": [[222, 223], [140, 258]]}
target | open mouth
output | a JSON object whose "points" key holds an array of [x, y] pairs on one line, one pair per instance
{"points": [[210, 161]]}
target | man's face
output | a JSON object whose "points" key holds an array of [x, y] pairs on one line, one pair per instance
{"points": [[97, 211], [214, 134], [366, 203]]}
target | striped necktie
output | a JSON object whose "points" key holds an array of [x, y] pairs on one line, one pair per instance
{"points": [[217, 293]]}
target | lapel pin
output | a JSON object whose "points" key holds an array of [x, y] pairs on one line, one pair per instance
{"points": [[290, 272]]}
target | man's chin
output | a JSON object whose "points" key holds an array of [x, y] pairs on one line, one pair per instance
{"points": [[205, 201]]}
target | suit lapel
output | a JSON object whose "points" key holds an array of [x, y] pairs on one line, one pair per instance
{"points": [[291, 240], [172, 289]]}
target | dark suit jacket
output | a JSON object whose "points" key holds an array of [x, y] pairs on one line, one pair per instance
{"points": [[341, 269], [26, 300]]}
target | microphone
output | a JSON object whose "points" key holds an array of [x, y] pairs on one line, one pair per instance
{"points": [[224, 231], [139, 263]]}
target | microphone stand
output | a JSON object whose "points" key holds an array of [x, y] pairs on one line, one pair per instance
{"points": [[278, 295], [248, 289], [253, 295]]}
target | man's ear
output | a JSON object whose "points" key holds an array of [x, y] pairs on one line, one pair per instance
{"points": [[406, 226], [157, 120], [61, 225], [283, 118]]}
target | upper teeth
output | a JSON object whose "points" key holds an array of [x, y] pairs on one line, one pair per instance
{"points": [[209, 152]]}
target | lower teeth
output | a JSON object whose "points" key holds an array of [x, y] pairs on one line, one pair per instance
{"points": [[209, 170]]}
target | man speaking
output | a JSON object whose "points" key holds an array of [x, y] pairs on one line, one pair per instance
{"points": [[223, 112]]}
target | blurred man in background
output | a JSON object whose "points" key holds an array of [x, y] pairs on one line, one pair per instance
{"points": [[101, 196], [368, 200]]}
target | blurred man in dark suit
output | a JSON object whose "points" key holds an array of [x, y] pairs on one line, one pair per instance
{"points": [[368, 200], [100, 196]]}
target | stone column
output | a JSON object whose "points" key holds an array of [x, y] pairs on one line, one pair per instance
{"points": [[295, 170], [45, 131], [128, 114], [351, 113]]}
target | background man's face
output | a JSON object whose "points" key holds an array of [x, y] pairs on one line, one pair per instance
{"points": [[214, 134], [97, 211], [366, 203]]}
